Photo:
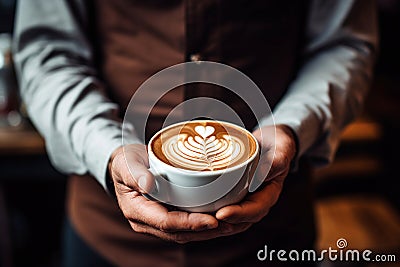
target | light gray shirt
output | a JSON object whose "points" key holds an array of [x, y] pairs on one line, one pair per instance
{"points": [[68, 105]]}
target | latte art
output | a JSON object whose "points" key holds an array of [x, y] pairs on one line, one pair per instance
{"points": [[203, 145], [203, 149]]}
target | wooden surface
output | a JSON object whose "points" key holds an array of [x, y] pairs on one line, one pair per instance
{"points": [[20, 141], [365, 221], [362, 130]]}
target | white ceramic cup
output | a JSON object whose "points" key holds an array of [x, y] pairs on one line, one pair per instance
{"points": [[201, 191]]}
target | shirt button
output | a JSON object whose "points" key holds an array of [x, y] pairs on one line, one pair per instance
{"points": [[195, 57]]}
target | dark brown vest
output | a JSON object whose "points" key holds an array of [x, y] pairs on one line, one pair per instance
{"points": [[136, 38]]}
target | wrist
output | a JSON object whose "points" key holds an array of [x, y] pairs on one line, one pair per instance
{"points": [[110, 171], [292, 140], [111, 162]]}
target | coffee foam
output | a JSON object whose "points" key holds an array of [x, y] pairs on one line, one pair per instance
{"points": [[203, 146]]}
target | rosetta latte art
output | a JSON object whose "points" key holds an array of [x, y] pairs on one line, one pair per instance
{"points": [[203, 149]]}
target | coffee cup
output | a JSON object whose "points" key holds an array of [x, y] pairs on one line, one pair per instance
{"points": [[202, 165]]}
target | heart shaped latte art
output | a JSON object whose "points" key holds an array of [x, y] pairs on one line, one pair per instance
{"points": [[204, 131], [203, 149]]}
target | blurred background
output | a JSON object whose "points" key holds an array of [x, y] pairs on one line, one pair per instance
{"points": [[357, 197]]}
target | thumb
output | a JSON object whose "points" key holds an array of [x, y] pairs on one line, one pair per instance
{"points": [[141, 179], [137, 175]]}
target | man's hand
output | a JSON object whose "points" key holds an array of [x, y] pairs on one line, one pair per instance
{"points": [[257, 205], [150, 217]]}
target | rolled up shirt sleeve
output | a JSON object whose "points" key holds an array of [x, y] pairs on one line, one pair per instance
{"points": [[334, 79], [58, 83]]}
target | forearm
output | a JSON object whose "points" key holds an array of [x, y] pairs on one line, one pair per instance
{"points": [[332, 83], [64, 98], [322, 101]]}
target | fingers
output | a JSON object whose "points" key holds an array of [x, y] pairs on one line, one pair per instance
{"points": [[224, 229], [262, 170], [139, 178], [278, 149], [280, 166], [270, 167], [132, 176], [138, 209], [132, 168], [254, 207], [137, 153], [265, 136]]}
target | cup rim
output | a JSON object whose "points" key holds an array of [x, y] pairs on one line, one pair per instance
{"points": [[202, 173]]}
